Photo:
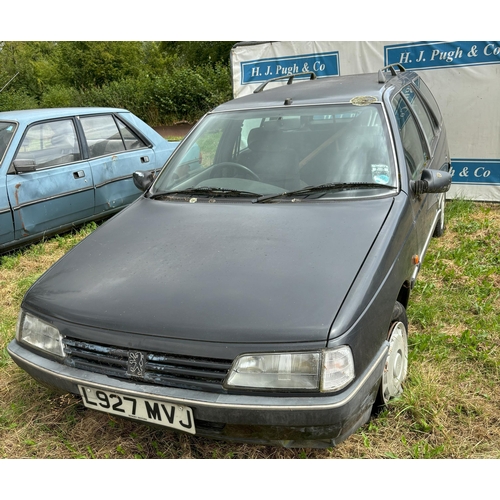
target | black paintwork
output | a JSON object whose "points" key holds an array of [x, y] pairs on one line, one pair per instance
{"points": [[224, 272]]}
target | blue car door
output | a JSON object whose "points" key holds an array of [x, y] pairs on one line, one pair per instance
{"points": [[49, 185], [116, 151]]}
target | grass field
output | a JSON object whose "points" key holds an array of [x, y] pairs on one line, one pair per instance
{"points": [[450, 407]]}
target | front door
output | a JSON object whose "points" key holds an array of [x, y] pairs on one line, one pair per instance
{"points": [[416, 158], [49, 186]]}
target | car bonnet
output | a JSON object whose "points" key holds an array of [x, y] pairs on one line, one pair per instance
{"points": [[219, 272]]}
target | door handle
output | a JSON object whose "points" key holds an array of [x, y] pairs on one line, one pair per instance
{"points": [[144, 159], [79, 174]]}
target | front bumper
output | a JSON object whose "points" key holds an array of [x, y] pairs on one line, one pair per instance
{"points": [[317, 421]]}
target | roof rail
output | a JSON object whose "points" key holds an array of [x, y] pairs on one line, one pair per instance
{"points": [[392, 69], [261, 87]]}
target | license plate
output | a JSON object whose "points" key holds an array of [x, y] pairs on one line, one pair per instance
{"points": [[143, 409]]}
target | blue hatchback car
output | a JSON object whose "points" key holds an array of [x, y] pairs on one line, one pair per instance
{"points": [[63, 167]]}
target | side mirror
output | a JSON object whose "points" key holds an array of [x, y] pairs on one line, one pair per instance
{"points": [[143, 179], [432, 181]]}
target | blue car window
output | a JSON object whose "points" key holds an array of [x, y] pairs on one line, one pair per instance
{"points": [[49, 144], [132, 141], [102, 134], [105, 135]]}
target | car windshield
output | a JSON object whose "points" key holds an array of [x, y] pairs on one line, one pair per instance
{"points": [[7, 130], [339, 150]]}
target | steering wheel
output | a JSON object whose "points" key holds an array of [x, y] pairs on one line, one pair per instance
{"points": [[229, 164]]}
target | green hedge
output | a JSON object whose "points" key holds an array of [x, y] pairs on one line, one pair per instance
{"points": [[17, 99], [180, 94]]}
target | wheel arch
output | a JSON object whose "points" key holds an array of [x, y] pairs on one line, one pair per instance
{"points": [[404, 294]]}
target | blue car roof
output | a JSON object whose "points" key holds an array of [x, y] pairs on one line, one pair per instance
{"points": [[29, 115]]}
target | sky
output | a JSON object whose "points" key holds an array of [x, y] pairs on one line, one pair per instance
{"points": [[256, 20]]}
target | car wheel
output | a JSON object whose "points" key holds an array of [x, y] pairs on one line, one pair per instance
{"points": [[440, 226], [396, 362]]}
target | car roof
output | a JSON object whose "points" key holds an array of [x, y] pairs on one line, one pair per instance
{"points": [[30, 115], [325, 90]]}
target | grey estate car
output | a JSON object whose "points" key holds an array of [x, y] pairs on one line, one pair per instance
{"points": [[257, 290]]}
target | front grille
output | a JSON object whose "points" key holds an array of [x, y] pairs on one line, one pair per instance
{"points": [[159, 368]]}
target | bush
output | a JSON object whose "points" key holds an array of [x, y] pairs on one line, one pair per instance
{"points": [[179, 94], [16, 99], [59, 96], [186, 94], [128, 93]]}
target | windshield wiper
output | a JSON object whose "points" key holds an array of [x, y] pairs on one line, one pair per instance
{"points": [[203, 190], [322, 187]]}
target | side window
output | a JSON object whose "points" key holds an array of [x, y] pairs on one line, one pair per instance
{"points": [[415, 151], [50, 144], [420, 110], [132, 141], [430, 100], [106, 136]]}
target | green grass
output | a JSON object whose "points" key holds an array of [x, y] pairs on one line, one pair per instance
{"points": [[449, 408]]}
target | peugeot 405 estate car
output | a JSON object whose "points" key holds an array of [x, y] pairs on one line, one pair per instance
{"points": [[62, 167], [257, 290]]}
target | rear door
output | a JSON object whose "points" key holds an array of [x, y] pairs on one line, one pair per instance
{"points": [[116, 151], [49, 185]]}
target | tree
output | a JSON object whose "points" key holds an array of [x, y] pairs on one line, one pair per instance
{"points": [[162, 82], [87, 64], [199, 53], [32, 62]]}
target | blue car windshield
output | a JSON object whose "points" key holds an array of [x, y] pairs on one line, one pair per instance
{"points": [[278, 150]]}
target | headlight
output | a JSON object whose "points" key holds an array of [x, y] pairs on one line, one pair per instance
{"points": [[327, 370], [37, 333]]}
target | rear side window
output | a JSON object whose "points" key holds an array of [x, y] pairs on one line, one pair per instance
{"points": [[105, 135], [415, 150]]}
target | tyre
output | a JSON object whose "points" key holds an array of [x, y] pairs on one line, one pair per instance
{"points": [[440, 226], [396, 362]]}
